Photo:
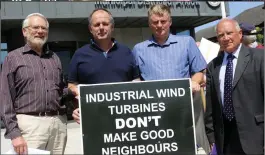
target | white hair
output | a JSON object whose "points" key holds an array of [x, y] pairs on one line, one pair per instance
{"points": [[234, 21], [26, 20]]}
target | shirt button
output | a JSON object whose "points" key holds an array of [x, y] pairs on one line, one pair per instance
{"points": [[45, 78], [44, 67], [47, 90]]}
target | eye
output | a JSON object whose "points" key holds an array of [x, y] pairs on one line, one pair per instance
{"points": [[220, 36], [105, 24], [163, 22], [96, 25]]}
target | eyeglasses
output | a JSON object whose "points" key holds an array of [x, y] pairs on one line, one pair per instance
{"points": [[36, 28]]}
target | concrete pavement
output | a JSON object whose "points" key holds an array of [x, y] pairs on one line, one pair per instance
{"points": [[73, 145]]}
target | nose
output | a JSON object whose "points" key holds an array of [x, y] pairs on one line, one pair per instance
{"points": [[226, 37], [101, 26], [40, 30], [159, 24]]}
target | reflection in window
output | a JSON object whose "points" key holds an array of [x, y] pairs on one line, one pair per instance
{"points": [[3, 52], [64, 50]]}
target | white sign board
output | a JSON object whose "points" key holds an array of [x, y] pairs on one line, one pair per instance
{"points": [[209, 49]]}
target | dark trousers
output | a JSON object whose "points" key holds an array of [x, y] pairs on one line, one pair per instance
{"points": [[232, 145]]}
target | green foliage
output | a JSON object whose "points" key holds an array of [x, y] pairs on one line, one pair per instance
{"points": [[260, 36]]}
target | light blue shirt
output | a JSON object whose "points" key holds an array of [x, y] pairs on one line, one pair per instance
{"points": [[178, 57], [223, 68]]}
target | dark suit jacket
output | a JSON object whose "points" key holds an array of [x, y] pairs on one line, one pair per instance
{"points": [[248, 101]]}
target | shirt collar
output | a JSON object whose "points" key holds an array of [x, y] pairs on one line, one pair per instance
{"points": [[45, 49], [171, 39], [235, 53], [92, 41]]}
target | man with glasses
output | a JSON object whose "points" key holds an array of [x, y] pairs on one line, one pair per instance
{"points": [[31, 89]]}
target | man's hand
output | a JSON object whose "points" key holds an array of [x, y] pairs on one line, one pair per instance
{"points": [[73, 88], [76, 115], [195, 86], [20, 145]]}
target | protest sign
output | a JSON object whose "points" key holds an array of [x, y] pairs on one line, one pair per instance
{"points": [[154, 117]]}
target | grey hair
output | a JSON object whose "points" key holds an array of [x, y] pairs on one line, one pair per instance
{"points": [[25, 22], [100, 9], [227, 19]]}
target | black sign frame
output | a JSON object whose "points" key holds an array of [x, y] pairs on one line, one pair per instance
{"points": [[106, 132]]}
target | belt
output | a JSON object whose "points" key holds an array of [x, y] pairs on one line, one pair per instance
{"points": [[47, 113]]}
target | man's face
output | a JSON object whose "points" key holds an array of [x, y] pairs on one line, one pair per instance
{"points": [[37, 31], [228, 36], [101, 27], [160, 25]]}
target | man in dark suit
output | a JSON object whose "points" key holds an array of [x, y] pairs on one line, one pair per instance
{"points": [[235, 94]]}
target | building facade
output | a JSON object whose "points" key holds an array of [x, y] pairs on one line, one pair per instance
{"points": [[69, 22]]}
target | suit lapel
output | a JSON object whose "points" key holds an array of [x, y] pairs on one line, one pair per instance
{"points": [[243, 59], [216, 73]]}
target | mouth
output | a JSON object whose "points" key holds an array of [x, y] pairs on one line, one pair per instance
{"points": [[227, 44], [102, 34], [39, 37]]}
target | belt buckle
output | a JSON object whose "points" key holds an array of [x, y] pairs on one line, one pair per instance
{"points": [[45, 113]]}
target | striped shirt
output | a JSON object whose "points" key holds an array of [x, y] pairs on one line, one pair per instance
{"points": [[29, 83], [178, 57]]}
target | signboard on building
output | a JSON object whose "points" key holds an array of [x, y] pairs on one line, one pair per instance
{"points": [[144, 4], [154, 117]]}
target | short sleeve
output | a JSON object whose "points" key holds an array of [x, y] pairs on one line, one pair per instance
{"points": [[197, 62]]}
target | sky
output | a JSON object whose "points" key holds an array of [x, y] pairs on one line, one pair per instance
{"points": [[235, 8]]}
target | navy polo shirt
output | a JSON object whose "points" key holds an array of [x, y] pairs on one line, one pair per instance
{"points": [[90, 65]]}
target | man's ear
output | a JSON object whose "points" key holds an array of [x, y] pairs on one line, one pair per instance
{"points": [[24, 31], [241, 34], [112, 27]]}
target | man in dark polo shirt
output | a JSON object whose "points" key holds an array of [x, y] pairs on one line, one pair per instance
{"points": [[30, 91], [104, 60]]}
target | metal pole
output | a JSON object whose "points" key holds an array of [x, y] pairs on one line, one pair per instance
{"points": [[223, 9]]}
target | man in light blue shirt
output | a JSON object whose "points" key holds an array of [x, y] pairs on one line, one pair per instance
{"points": [[167, 56]]}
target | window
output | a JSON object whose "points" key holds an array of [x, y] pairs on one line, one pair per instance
{"points": [[3, 53]]}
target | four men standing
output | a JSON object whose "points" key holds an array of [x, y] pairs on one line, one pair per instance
{"points": [[235, 80]]}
